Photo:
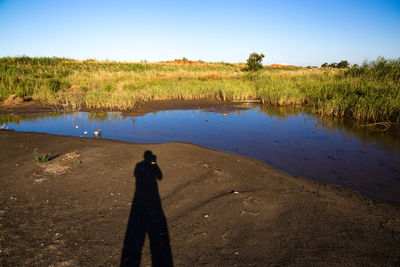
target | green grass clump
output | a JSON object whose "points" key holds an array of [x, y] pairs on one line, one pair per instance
{"points": [[370, 92], [41, 158], [379, 70]]}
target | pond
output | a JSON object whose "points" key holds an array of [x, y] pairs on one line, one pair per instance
{"points": [[293, 140]]}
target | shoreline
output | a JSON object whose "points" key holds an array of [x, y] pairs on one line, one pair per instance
{"points": [[36, 107], [33, 109], [221, 208]]}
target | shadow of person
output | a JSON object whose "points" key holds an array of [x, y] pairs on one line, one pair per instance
{"points": [[147, 216]]}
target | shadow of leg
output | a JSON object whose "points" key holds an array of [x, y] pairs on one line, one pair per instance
{"points": [[134, 240], [160, 246]]}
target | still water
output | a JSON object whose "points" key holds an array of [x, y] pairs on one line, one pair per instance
{"points": [[293, 140]]}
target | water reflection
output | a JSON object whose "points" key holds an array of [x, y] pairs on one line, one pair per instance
{"points": [[17, 119], [295, 140]]}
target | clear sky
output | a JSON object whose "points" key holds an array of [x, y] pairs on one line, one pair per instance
{"points": [[302, 32]]}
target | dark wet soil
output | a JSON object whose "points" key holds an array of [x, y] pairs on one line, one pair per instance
{"points": [[29, 107], [220, 209]]}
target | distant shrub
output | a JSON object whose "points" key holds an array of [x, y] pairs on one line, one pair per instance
{"points": [[344, 64], [254, 62], [333, 65]]}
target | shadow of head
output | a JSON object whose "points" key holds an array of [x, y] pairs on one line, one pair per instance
{"points": [[149, 156]]}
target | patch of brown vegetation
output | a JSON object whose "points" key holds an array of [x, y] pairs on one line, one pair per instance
{"points": [[183, 62], [28, 106], [61, 164], [13, 100], [280, 66]]}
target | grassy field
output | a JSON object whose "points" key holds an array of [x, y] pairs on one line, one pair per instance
{"points": [[369, 93]]}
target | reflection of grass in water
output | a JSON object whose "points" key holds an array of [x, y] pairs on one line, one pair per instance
{"points": [[282, 112], [18, 119], [5, 119], [237, 110], [389, 139], [97, 116], [366, 93], [104, 116]]}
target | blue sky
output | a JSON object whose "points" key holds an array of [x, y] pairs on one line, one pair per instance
{"points": [[299, 32]]}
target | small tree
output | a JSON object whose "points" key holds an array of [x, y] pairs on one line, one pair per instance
{"points": [[333, 65], [343, 64], [254, 62], [325, 65]]}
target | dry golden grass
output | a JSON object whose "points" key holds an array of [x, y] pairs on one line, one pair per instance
{"points": [[368, 93], [280, 66]]}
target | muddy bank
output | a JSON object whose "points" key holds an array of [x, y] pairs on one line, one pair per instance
{"points": [[20, 107], [220, 208], [29, 107]]}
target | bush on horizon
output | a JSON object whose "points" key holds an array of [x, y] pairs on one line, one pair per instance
{"points": [[254, 62]]}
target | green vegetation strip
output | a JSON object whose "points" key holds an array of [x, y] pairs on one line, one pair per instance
{"points": [[370, 92]]}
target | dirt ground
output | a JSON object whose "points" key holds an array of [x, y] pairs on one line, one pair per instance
{"points": [[218, 209]]}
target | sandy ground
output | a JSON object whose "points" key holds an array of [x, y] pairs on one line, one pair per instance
{"points": [[218, 209]]}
